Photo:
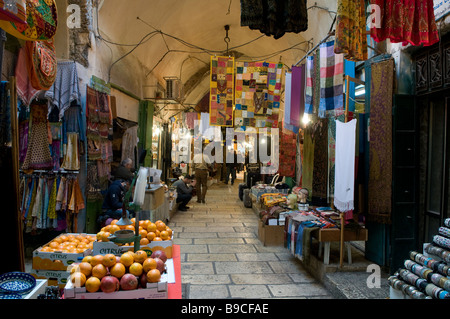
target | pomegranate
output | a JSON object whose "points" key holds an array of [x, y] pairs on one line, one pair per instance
{"points": [[160, 265], [128, 282], [143, 280], [109, 284], [159, 254]]}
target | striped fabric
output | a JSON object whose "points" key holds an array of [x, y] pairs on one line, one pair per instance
{"points": [[309, 91], [331, 80]]}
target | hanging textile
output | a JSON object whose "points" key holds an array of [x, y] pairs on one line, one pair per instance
{"points": [[71, 158], [331, 80], [297, 94], [23, 140], [258, 94], [406, 21], [275, 17], [331, 154], [41, 21], [38, 152], [308, 159], [221, 91], [65, 89], [287, 154], [13, 11], [380, 152], [344, 182], [309, 90], [41, 63], [351, 39], [25, 91], [298, 161], [287, 98], [129, 143], [320, 179], [191, 117]]}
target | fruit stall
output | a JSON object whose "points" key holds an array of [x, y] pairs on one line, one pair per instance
{"points": [[103, 266]]}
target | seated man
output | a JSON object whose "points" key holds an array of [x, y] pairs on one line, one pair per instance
{"points": [[123, 172], [113, 202], [184, 192]]}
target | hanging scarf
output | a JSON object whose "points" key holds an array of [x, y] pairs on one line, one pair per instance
{"points": [[351, 37], [71, 159], [25, 91], [41, 63], [405, 21]]}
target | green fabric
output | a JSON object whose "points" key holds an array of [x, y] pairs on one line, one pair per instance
{"points": [[308, 161]]}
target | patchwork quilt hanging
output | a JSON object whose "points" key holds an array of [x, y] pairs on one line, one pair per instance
{"points": [[221, 91], [258, 93]]}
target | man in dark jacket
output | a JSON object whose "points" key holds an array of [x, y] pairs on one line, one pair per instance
{"points": [[123, 172], [113, 203], [184, 192]]}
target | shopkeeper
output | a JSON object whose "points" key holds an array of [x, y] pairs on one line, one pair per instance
{"points": [[113, 203], [123, 172]]}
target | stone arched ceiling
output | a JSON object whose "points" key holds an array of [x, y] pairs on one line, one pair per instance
{"points": [[178, 37]]}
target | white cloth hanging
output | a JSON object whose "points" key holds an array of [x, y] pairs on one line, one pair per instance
{"points": [[344, 180]]}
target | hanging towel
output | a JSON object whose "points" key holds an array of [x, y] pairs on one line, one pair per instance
{"points": [[65, 90], [297, 94], [331, 80], [287, 98], [345, 165]]}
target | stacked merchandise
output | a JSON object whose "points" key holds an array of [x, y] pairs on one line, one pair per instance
{"points": [[261, 189], [425, 276]]}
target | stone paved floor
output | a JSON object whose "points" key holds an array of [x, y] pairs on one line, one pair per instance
{"points": [[222, 258]]}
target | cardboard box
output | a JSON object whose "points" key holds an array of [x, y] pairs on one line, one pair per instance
{"points": [[153, 199], [103, 248], [158, 290], [270, 235], [57, 260], [55, 277]]}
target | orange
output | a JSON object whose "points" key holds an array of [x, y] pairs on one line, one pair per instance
{"points": [[114, 228], [114, 221], [99, 271], [144, 224], [78, 279], [149, 264], [144, 241], [165, 235], [157, 239], [127, 259], [85, 268], [79, 237], [151, 235], [109, 260], [170, 231], [133, 220], [157, 233], [130, 227], [135, 269], [74, 268], [92, 284], [151, 227], [153, 275], [161, 226], [97, 259], [54, 244], [87, 259], [63, 238], [143, 233], [58, 240], [118, 270], [140, 256]]}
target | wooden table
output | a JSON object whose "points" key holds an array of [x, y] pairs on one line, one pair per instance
{"points": [[334, 234]]}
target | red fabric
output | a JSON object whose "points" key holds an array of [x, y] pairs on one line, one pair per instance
{"points": [[174, 290], [406, 21]]}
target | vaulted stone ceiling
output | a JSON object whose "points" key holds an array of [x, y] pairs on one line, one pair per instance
{"points": [[178, 37]]}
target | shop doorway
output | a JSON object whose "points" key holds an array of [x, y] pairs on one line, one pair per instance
{"points": [[437, 166]]}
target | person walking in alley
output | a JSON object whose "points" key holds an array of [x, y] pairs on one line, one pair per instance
{"points": [[231, 169], [201, 169], [184, 192]]}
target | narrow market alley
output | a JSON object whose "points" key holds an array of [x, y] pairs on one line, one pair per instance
{"points": [[222, 257]]}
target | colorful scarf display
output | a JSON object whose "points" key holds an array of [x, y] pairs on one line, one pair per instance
{"points": [[351, 38], [287, 154], [41, 63], [406, 21], [221, 91], [331, 80], [309, 90], [258, 94]]}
